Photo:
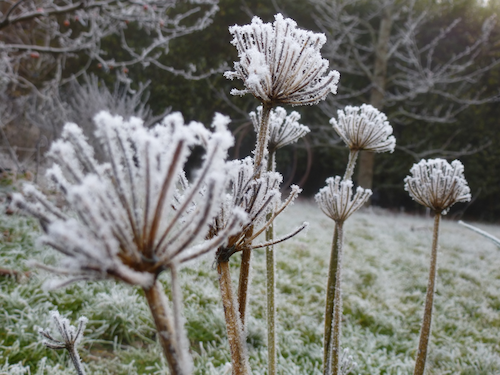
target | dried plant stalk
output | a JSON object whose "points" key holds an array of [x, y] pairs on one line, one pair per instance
{"points": [[165, 328], [330, 298], [429, 300], [233, 322]]}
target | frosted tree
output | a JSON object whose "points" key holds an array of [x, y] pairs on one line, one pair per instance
{"points": [[380, 45], [278, 64], [361, 128], [136, 215], [438, 185], [45, 44]]}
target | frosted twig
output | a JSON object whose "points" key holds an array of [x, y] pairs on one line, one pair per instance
{"points": [[495, 240], [70, 337]]}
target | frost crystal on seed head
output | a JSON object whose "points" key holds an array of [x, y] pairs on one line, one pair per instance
{"points": [[280, 63], [438, 185], [283, 129], [136, 214], [364, 128], [258, 198], [336, 199]]}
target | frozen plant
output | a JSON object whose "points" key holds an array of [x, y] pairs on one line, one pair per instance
{"points": [[494, 239], [279, 64], [337, 202], [70, 338], [283, 130], [135, 215], [260, 198], [438, 185], [361, 128]]}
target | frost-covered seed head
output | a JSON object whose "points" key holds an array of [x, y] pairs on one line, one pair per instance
{"points": [[364, 128], [280, 63], [258, 198], [136, 214], [438, 185], [283, 129], [70, 335], [337, 201]]}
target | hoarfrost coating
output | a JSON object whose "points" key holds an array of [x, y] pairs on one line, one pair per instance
{"points": [[283, 129], [437, 184], [136, 214], [337, 201], [280, 63], [364, 128]]}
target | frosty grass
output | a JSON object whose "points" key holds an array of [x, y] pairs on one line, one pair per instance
{"points": [[385, 276]]}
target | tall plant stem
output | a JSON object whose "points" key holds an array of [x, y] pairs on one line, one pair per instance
{"points": [[353, 157], [246, 254], [246, 258], [77, 363], [262, 139], [159, 309], [333, 314], [233, 322], [271, 290], [429, 300], [330, 297]]}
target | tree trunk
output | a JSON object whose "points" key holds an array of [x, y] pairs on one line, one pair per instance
{"points": [[366, 159]]}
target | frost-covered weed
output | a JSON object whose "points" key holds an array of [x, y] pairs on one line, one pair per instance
{"points": [[383, 292]]}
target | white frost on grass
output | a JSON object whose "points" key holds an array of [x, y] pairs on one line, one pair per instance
{"points": [[385, 275]]}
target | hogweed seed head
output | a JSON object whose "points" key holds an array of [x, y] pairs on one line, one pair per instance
{"points": [[136, 214], [259, 198], [436, 184], [283, 129], [280, 63], [336, 199], [364, 128]]}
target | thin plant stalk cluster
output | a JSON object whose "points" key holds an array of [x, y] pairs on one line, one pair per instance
{"points": [[135, 214], [361, 128]]}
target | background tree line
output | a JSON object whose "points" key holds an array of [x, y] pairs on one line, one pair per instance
{"points": [[435, 113]]}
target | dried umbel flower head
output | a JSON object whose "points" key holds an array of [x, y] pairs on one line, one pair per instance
{"points": [[364, 128], [280, 63], [337, 201], [283, 129], [259, 198], [136, 214], [437, 184]]}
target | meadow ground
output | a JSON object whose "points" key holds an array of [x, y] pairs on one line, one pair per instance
{"points": [[385, 278]]}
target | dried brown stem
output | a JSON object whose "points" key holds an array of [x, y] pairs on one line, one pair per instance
{"points": [[165, 328], [429, 300], [233, 322], [330, 297]]}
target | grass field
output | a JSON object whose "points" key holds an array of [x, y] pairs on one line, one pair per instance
{"points": [[385, 277]]}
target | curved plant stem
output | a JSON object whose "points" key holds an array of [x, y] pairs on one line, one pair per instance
{"points": [[353, 156], [271, 290], [233, 322], [429, 300], [330, 297], [159, 309]]}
